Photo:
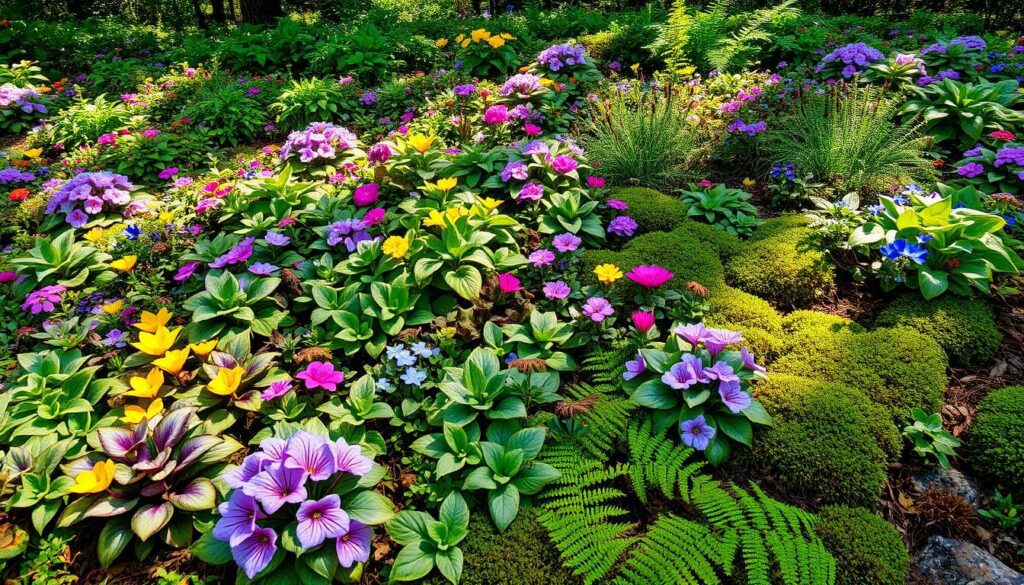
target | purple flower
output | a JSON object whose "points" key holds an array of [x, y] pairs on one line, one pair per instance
{"points": [[350, 458], [563, 164], [748, 362], [276, 486], [321, 375], [617, 204], [696, 433], [635, 367], [722, 372], [717, 339], [311, 454], [368, 99], [556, 290], [520, 83], [320, 520], [354, 546], [970, 170], [186, 271], [251, 465], [566, 242], [597, 308], [465, 90], [320, 140], [542, 257], [748, 129], [515, 170], [277, 390], [622, 225], [694, 333], [687, 372], [168, 173], [379, 153], [276, 238], [255, 552], [732, 397], [556, 57], [531, 191], [236, 255], [238, 516], [43, 300], [115, 338], [262, 268]]}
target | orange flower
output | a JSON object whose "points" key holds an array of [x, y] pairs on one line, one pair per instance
{"points": [[18, 194]]}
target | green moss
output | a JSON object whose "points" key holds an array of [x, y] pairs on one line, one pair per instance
{"points": [[653, 210], [523, 555], [995, 446], [740, 310], [719, 241], [823, 447], [800, 321], [868, 550], [898, 368], [965, 328], [781, 264], [777, 226]]}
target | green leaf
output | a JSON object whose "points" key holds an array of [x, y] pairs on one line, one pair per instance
{"points": [[370, 508], [114, 537], [149, 519], [210, 550], [932, 282], [504, 505], [454, 512], [409, 526], [655, 394], [736, 428], [199, 494], [413, 562], [449, 562]]}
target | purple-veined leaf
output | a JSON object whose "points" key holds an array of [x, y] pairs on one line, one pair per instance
{"points": [[172, 428], [108, 506], [194, 447], [117, 442], [149, 519], [200, 494]]}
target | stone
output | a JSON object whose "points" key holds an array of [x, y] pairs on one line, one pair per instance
{"points": [[948, 480], [949, 561]]}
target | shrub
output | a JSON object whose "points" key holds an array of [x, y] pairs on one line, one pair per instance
{"points": [[898, 368], [868, 550], [229, 114], [725, 208], [722, 243], [965, 328], [83, 121], [800, 321], [823, 446], [783, 267], [653, 210], [308, 101], [994, 443]]}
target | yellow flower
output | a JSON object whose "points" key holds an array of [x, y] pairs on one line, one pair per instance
{"points": [[33, 153], [147, 387], [489, 203], [465, 43], [125, 264], [113, 308], [95, 481], [94, 235], [159, 342], [435, 219], [447, 184], [167, 216], [480, 34], [204, 348], [459, 38], [396, 247], [420, 142], [546, 82], [150, 322], [748, 182], [607, 273], [496, 42], [227, 381], [441, 43], [506, 36], [133, 415], [173, 361]]}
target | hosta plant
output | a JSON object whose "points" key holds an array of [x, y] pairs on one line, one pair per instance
{"points": [[723, 207], [235, 304], [480, 387], [61, 261], [929, 439], [964, 112], [428, 543], [454, 448], [542, 336]]}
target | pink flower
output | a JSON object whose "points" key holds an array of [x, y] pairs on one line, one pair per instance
{"points": [[595, 182], [649, 276], [617, 204], [110, 139], [564, 164], [530, 192], [597, 308], [374, 216], [496, 115], [8, 276], [508, 283], [366, 194], [531, 129], [1002, 135], [321, 375], [150, 133], [706, 184], [277, 390], [643, 320]]}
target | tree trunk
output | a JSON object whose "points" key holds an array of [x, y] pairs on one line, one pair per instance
{"points": [[218, 11], [200, 17], [260, 11]]}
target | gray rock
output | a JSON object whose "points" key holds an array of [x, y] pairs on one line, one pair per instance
{"points": [[948, 561], [948, 480]]}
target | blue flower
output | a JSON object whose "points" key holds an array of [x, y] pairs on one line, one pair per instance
{"points": [[394, 349], [404, 358], [924, 238], [901, 200], [132, 232], [898, 249], [876, 209], [511, 357], [115, 338], [419, 348], [414, 377], [384, 385]]}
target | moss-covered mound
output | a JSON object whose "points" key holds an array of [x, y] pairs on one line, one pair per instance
{"points": [[965, 328], [652, 210], [781, 264], [523, 555], [801, 321], [868, 550], [824, 444], [995, 444], [898, 368]]}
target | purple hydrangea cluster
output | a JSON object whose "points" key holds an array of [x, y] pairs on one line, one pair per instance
{"points": [[347, 231], [749, 129], [12, 175], [91, 193], [320, 140], [281, 483], [1010, 155], [556, 57], [855, 57], [970, 43], [25, 99], [521, 83]]}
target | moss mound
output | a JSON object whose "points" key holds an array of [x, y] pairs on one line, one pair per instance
{"points": [[995, 446], [740, 310], [653, 210], [965, 328], [780, 264], [801, 321], [868, 550], [721, 242], [523, 555], [898, 368]]}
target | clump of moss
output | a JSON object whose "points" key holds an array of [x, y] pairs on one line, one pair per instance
{"points": [[523, 555], [740, 310], [868, 550], [779, 263], [800, 321], [719, 241], [652, 210], [965, 328], [995, 446], [898, 368], [823, 445]]}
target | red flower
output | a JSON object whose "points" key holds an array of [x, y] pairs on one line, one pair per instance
{"points": [[953, 263], [18, 194], [1003, 135], [938, 163]]}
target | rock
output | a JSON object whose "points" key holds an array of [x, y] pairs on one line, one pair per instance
{"points": [[948, 561], [948, 480]]}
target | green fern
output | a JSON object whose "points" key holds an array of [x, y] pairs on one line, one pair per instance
{"points": [[658, 460]]}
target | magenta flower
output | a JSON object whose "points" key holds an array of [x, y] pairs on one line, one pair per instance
{"points": [[542, 257], [563, 164], [532, 129], [595, 182], [255, 552], [320, 520], [686, 373], [168, 173], [649, 276], [238, 516], [379, 153], [8, 276], [566, 242], [321, 375], [597, 308], [366, 194], [556, 290], [350, 458], [43, 300], [696, 433], [374, 216], [354, 546], [531, 191], [618, 204], [277, 390], [643, 320], [186, 271], [276, 486], [496, 114], [310, 453], [509, 283]]}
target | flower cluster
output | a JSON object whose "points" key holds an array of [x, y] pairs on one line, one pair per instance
{"points": [[749, 129], [557, 57], [969, 43], [320, 140], [23, 98], [89, 194], [521, 84], [855, 57], [404, 359]]}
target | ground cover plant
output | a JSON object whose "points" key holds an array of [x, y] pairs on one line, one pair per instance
{"points": [[474, 293]]}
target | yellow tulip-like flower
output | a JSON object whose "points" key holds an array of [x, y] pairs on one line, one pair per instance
{"points": [[167, 216], [95, 481], [147, 387], [496, 42], [227, 381], [490, 204], [396, 247], [607, 273], [33, 153], [124, 264], [159, 342], [113, 308], [173, 361], [204, 348], [447, 184], [94, 235], [150, 322], [748, 182], [441, 43], [420, 142], [435, 219], [133, 415]]}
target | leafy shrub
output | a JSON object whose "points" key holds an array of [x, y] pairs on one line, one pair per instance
{"points": [[310, 100], [84, 121], [799, 321], [364, 54], [652, 210], [898, 368], [20, 107], [782, 265], [965, 328], [722, 243], [228, 113], [845, 137], [962, 112], [641, 139], [723, 207], [868, 550], [141, 155], [994, 443], [743, 310], [822, 445]]}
